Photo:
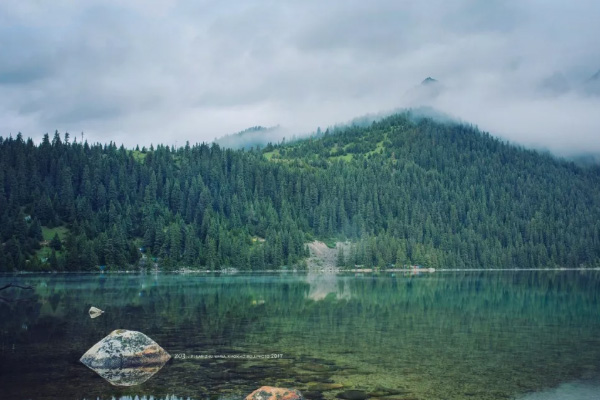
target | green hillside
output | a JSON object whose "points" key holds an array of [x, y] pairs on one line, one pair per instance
{"points": [[406, 190]]}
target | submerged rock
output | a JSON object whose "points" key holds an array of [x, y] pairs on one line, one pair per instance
{"points": [[316, 367], [274, 393], [322, 387], [313, 395], [352, 395], [314, 378], [95, 312], [385, 393], [125, 358]]}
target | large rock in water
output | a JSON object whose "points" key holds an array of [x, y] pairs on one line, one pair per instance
{"points": [[125, 358], [274, 393]]}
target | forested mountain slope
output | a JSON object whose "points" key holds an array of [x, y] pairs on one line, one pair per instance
{"points": [[406, 190]]}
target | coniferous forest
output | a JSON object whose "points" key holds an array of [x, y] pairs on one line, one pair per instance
{"points": [[404, 190]]}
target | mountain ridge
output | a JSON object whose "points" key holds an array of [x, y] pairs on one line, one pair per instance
{"points": [[404, 190]]}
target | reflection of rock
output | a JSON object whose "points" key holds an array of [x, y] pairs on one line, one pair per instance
{"points": [[95, 312], [127, 376], [125, 358], [274, 393]]}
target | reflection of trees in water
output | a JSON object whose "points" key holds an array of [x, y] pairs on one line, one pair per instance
{"points": [[17, 315], [503, 331], [506, 331]]}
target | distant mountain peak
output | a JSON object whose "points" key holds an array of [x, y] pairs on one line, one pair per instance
{"points": [[595, 77], [423, 94], [554, 85], [592, 85]]}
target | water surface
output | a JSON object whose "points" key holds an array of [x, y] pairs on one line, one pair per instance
{"points": [[458, 335]]}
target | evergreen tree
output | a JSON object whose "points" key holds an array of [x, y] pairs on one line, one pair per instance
{"points": [[341, 260], [56, 243]]}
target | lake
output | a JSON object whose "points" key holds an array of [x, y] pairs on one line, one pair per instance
{"points": [[447, 335]]}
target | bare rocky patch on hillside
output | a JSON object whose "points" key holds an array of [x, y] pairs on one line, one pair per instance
{"points": [[324, 258]]}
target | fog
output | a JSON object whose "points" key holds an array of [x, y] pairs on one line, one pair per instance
{"points": [[197, 70]]}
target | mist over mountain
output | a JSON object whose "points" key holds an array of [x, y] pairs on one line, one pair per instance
{"points": [[251, 137], [554, 85], [260, 136], [586, 159], [423, 94], [173, 72]]}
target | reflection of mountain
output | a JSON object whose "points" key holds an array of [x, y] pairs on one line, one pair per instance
{"points": [[324, 285]]}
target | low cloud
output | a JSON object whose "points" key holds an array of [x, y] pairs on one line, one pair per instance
{"points": [[187, 70]]}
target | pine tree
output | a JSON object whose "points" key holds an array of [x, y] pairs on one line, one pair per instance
{"points": [[56, 243], [341, 260]]}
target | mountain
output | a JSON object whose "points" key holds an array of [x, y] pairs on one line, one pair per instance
{"points": [[252, 137], [557, 84], [595, 77], [592, 85], [586, 160], [424, 93], [554, 85], [405, 190]]}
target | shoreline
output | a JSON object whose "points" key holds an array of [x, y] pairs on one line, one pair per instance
{"points": [[297, 271]]}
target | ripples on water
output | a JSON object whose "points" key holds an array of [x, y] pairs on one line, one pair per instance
{"points": [[454, 335]]}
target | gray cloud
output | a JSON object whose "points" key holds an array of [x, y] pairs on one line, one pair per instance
{"points": [[173, 71]]}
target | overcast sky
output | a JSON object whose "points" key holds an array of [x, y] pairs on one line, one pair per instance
{"points": [[194, 70]]}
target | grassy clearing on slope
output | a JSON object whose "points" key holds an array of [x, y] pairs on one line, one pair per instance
{"points": [[269, 155], [377, 150], [48, 233], [139, 156], [45, 252], [345, 157]]}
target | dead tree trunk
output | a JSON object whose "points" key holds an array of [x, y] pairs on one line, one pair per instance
{"points": [[9, 300]]}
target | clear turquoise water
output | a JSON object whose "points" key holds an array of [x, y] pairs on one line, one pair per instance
{"points": [[452, 335]]}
